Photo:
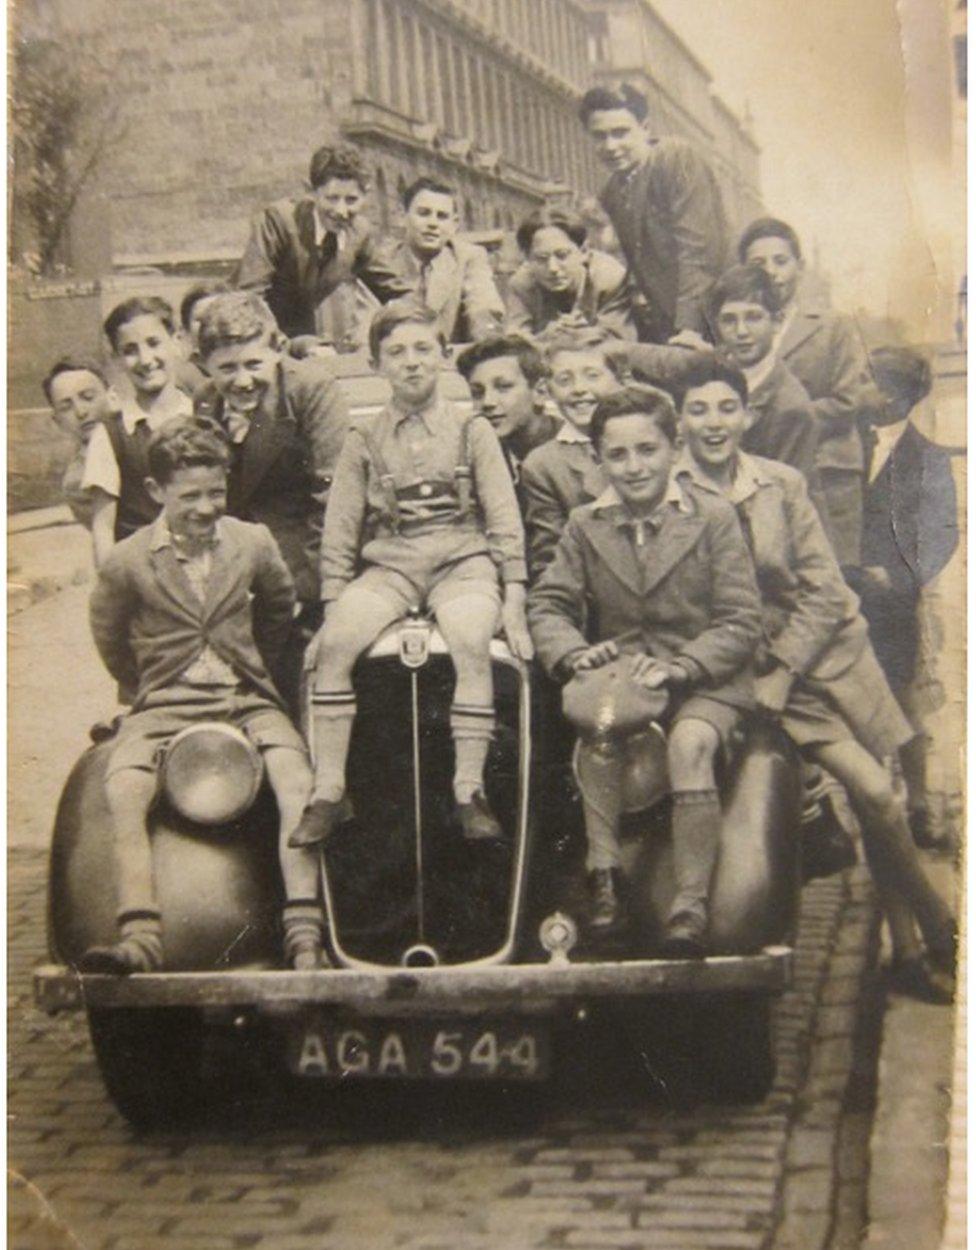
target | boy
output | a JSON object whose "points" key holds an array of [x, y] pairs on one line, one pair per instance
{"points": [[188, 611], [665, 581], [448, 274], [565, 281], [140, 331], [744, 320], [666, 208], [286, 420], [79, 395], [910, 534], [301, 250], [817, 669], [823, 351], [565, 472], [422, 514], [507, 377]]}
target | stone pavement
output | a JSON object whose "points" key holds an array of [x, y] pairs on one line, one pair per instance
{"points": [[465, 1170]]}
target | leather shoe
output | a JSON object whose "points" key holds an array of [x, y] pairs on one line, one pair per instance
{"points": [[684, 938], [913, 978], [318, 820], [605, 908], [477, 822]]}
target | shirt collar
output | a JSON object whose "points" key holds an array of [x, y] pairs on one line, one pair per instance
{"points": [[322, 231], [176, 404], [568, 433], [760, 372], [674, 496], [886, 439], [425, 414], [749, 476], [161, 537]]}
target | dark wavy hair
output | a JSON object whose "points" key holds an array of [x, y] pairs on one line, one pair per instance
{"points": [[186, 443], [73, 364], [564, 219], [602, 99], [499, 346], [706, 368], [137, 306], [769, 228], [340, 160], [634, 401]]}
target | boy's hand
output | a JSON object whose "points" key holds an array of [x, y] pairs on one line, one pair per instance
{"points": [[652, 674], [597, 656], [689, 338], [514, 623], [877, 576], [773, 690]]}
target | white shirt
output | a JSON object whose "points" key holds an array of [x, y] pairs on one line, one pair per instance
{"points": [[887, 436], [101, 470]]}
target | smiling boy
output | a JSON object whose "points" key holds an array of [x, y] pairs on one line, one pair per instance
{"points": [[742, 311], [563, 280], [663, 583], [189, 612], [80, 398], [301, 250], [447, 274], [565, 472], [823, 350], [666, 208], [422, 514], [507, 377], [141, 334]]}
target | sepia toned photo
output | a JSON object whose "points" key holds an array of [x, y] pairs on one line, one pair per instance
{"points": [[486, 624]]}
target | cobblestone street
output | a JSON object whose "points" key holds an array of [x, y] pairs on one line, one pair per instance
{"points": [[475, 1170]]}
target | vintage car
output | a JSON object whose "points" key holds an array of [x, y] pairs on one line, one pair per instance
{"points": [[453, 960]]}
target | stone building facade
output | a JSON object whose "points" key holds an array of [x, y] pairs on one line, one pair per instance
{"points": [[224, 101]]}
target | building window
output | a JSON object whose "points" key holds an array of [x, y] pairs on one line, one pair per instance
{"points": [[461, 93], [393, 66], [430, 107], [447, 94], [382, 200], [599, 38], [412, 104], [373, 89], [478, 123]]}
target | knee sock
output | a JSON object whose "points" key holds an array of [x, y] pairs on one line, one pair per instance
{"points": [[599, 772], [141, 939], [472, 726], [333, 712], [304, 925], [695, 822]]}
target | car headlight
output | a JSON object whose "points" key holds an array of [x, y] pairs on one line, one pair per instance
{"points": [[211, 773]]}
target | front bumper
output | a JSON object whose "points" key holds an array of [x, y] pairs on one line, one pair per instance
{"points": [[528, 988]]}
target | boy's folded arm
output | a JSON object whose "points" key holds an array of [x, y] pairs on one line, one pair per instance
{"points": [[735, 631], [273, 606], [109, 613], [556, 606], [494, 489], [344, 516], [257, 266]]}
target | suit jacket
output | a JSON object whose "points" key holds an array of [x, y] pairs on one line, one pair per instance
{"points": [[824, 352], [556, 478], [281, 473], [911, 531], [785, 428], [811, 621], [671, 223], [604, 299], [284, 264], [687, 592], [458, 285], [148, 624]]}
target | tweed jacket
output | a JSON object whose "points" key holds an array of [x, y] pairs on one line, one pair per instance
{"points": [[458, 285], [556, 478], [687, 591], [604, 299], [785, 428], [672, 227], [911, 531], [811, 621], [284, 264], [282, 470], [824, 352], [149, 625]]}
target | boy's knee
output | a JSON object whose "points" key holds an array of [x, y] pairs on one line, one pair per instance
{"points": [[130, 791], [691, 748]]}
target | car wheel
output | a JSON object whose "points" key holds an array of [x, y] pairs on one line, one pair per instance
{"points": [[150, 1060]]}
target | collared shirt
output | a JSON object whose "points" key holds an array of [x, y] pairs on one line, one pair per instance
{"points": [[789, 316], [568, 433], [101, 468], [237, 425], [322, 232], [747, 476], [886, 438], [641, 526], [208, 669]]}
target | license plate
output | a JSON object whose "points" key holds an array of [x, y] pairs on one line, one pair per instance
{"points": [[420, 1049]]}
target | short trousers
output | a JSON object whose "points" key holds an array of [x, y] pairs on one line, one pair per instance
{"points": [[861, 708], [433, 585], [144, 734], [724, 718]]}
